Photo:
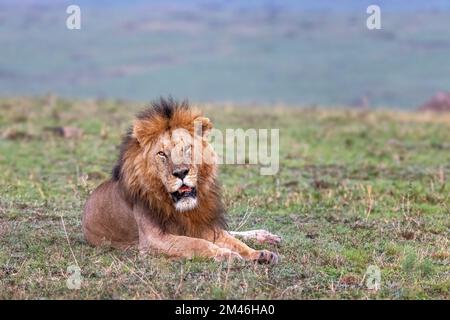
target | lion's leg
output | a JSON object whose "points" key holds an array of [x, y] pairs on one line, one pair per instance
{"points": [[185, 247], [226, 240], [151, 239], [260, 236]]}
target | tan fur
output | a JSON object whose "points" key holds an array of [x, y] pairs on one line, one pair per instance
{"points": [[137, 205]]}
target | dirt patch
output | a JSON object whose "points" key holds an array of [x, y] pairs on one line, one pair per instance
{"points": [[66, 132]]}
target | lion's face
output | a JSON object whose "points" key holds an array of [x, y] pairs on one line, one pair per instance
{"points": [[173, 155]]}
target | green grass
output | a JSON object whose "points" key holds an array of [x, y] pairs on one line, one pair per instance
{"points": [[354, 189]]}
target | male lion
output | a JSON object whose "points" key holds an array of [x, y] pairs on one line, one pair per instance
{"points": [[162, 200]]}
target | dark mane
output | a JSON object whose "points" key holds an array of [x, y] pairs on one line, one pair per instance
{"points": [[163, 108], [126, 140]]}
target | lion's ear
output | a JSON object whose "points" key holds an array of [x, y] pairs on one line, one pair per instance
{"points": [[202, 126], [139, 132]]}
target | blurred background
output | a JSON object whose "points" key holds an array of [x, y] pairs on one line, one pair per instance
{"points": [[254, 51]]}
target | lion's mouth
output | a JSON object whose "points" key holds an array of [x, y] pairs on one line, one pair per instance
{"points": [[184, 192]]}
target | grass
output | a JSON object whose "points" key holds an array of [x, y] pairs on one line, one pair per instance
{"points": [[354, 189]]}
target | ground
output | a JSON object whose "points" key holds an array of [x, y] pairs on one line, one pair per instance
{"points": [[355, 188]]}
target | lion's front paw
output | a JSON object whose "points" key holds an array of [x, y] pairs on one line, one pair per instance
{"points": [[266, 257], [224, 254]]}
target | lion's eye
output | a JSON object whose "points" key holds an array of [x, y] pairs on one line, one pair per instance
{"points": [[162, 154]]}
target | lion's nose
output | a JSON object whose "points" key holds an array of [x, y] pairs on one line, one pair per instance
{"points": [[180, 173]]}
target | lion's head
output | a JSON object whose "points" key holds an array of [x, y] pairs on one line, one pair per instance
{"points": [[167, 163]]}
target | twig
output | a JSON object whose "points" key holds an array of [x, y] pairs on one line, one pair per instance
{"points": [[180, 284], [138, 276], [369, 202], [245, 218], [68, 241]]}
